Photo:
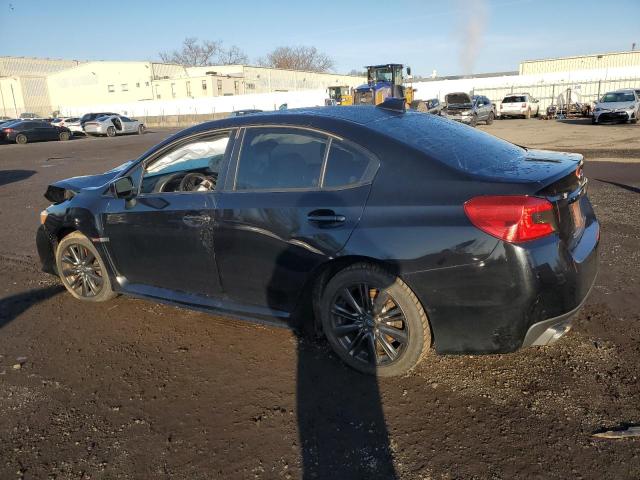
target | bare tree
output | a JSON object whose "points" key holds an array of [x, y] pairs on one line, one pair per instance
{"points": [[357, 73], [298, 58], [232, 56], [193, 53]]}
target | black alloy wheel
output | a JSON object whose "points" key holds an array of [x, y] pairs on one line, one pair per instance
{"points": [[373, 321], [369, 324], [82, 270]]}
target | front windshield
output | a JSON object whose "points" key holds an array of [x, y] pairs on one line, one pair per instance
{"points": [[618, 97], [382, 75]]}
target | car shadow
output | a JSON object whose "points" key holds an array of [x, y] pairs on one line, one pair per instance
{"points": [[341, 425], [14, 305], [630, 188], [11, 176]]}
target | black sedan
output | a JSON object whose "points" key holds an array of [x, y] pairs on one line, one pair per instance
{"points": [[23, 131], [392, 233]]}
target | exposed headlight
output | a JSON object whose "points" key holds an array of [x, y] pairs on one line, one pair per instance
{"points": [[597, 109], [465, 113], [43, 216]]}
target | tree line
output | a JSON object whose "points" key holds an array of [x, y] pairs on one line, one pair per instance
{"points": [[195, 53]]}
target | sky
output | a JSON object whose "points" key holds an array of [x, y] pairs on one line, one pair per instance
{"points": [[452, 37]]}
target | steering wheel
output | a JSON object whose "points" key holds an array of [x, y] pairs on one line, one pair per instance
{"points": [[196, 182]]}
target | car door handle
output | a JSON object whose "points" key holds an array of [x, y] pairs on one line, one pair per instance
{"points": [[325, 216], [195, 220]]}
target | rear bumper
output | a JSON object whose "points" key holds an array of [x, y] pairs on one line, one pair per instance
{"points": [[512, 113], [519, 296]]}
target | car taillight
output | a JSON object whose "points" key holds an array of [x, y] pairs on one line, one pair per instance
{"points": [[512, 218], [524, 105], [7, 130]]}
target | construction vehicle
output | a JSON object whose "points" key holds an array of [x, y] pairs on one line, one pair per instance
{"points": [[339, 95], [387, 81]]}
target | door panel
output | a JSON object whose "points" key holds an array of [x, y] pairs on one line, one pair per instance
{"points": [[267, 243], [165, 240]]}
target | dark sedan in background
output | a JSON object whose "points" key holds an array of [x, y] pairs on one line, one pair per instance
{"points": [[390, 232], [24, 131]]}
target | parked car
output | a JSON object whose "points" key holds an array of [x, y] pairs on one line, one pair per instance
{"points": [[400, 230], [87, 117], [24, 131], [519, 105], [74, 126], [470, 110], [434, 106], [618, 106], [112, 125], [239, 113], [29, 116], [63, 121]]}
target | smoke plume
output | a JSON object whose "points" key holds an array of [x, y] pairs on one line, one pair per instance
{"points": [[470, 35]]}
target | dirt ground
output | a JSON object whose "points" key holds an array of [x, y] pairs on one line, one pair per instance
{"points": [[134, 389]]}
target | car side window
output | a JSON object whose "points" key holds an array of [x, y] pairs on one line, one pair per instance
{"points": [[280, 159], [348, 165], [126, 119], [191, 167]]}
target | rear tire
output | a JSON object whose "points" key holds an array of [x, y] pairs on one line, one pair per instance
{"points": [[21, 138], [111, 132], [373, 321], [82, 270], [490, 118], [141, 130], [64, 136], [528, 114]]}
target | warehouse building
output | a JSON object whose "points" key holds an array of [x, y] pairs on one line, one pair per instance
{"points": [[44, 86], [582, 62], [23, 84]]}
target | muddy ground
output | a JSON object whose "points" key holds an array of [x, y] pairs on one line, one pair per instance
{"points": [[134, 389]]}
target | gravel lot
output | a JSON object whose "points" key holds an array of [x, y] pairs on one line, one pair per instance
{"points": [[134, 389]]}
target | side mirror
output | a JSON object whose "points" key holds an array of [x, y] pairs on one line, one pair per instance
{"points": [[122, 188], [409, 71]]}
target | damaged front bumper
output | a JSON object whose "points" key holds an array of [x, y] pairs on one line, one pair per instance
{"points": [[46, 245]]}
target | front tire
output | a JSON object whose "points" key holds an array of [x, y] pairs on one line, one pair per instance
{"points": [[64, 136], [373, 321], [111, 132], [21, 138], [141, 130], [490, 118], [82, 270], [474, 121]]}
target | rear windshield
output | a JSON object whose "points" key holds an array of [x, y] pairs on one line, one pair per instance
{"points": [[618, 97], [454, 144], [514, 99]]}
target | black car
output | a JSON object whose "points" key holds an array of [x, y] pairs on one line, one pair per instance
{"points": [[24, 131], [391, 232], [87, 117]]}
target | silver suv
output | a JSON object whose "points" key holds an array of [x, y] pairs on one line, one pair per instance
{"points": [[618, 106]]}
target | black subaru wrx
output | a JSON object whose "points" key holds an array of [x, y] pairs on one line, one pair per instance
{"points": [[392, 233]]}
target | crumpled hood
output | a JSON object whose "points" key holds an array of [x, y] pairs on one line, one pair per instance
{"points": [[457, 98], [56, 191], [91, 181]]}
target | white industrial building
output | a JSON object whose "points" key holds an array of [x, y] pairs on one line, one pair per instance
{"points": [[150, 89], [43, 86]]}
